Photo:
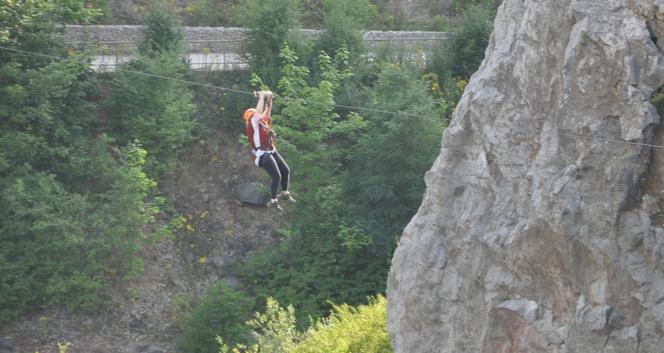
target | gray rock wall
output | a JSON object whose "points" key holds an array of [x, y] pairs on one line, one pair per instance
{"points": [[538, 231]]}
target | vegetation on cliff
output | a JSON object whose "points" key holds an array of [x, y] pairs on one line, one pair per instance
{"points": [[83, 154]]}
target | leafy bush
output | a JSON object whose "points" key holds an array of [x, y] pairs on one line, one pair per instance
{"points": [[103, 8], [657, 99], [269, 23], [392, 18], [210, 13], [461, 55], [32, 24], [62, 247], [71, 202], [222, 313], [156, 112], [385, 185], [361, 329], [162, 34], [344, 21], [274, 331]]}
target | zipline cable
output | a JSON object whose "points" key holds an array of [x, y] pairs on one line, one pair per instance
{"points": [[194, 83]]}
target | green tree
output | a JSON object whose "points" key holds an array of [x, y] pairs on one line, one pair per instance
{"points": [[57, 246], [71, 202], [385, 182], [307, 120], [344, 22], [461, 55], [33, 24], [270, 24], [157, 112], [355, 197], [222, 313], [162, 34]]}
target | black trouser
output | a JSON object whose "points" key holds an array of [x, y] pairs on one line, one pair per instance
{"points": [[278, 170]]}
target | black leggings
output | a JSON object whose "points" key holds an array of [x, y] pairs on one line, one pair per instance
{"points": [[278, 170]]}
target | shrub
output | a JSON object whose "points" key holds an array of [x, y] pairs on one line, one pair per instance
{"points": [[222, 313], [156, 112], [657, 99], [162, 33], [210, 13], [273, 331], [71, 206], [385, 185], [344, 21], [361, 329], [456, 7], [461, 55], [103, 8], [62, 247], [270, 23]]}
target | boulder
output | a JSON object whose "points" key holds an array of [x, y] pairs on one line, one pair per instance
{"points": [[252, 193]]}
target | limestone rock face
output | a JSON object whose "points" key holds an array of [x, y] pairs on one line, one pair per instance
{"points": [[541, 227]]}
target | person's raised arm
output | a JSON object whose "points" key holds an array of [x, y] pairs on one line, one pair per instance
{"points": [[260, 106], [258, 116], [268, 106]]}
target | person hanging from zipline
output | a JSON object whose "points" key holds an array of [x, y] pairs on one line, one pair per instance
{"points": [[258, 125]]}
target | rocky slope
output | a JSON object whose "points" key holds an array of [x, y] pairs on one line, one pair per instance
{"points": [[539, 231]]}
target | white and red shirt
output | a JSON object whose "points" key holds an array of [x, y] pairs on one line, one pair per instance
{"points": [[260, 134]]}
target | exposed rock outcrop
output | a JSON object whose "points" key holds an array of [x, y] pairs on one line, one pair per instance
{"points": [[539, 230]]}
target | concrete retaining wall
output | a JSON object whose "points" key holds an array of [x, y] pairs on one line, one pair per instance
{"points": [[219, 48]]}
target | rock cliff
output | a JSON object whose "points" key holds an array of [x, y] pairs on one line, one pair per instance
{"points": [[541, 227]]}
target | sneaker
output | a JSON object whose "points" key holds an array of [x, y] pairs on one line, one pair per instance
{"points": [[274, 203], [285, 195]]}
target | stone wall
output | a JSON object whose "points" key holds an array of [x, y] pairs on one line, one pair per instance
{"points": [[228, 39]]}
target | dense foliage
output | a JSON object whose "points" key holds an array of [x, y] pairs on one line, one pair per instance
{"points": [[344, 20], [462, 54], [147, 109], [71, 201], [81, 155], [358, 181], [222, 313], [348, 329], [269, 23], [361, 329]]}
